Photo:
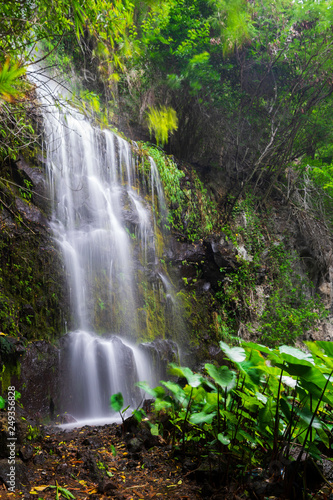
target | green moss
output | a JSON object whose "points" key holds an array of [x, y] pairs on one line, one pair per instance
{"points": [[199, 315], [152, 311], [10, 370], [32, 286], [191, 212]]}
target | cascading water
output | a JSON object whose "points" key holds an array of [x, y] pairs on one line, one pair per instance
{"points": [[97, 212]]}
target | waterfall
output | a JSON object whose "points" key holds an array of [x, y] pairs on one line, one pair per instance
{"points": [[105, 229]]}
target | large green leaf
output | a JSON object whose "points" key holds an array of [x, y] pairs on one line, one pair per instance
{"points": [[222, 375], [322, 358], [307, 416], [235, 354], [157, 392], [308, 373], [211, 398], [175, 389], [202, 417], [223, 439], [293, 355], [251, 371], [317, 393], [265, 416], [327, 350], [261, 397], [198, 394], [326, 346], [193, 379], [257, 347]]}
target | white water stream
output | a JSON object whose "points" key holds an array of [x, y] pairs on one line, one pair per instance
{"points": [[93, 183]]}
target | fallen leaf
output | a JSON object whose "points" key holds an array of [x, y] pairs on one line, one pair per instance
{"points": [[40, 488]]}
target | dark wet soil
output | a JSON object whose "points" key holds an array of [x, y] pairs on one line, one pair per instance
{"points": [[108, 463]]}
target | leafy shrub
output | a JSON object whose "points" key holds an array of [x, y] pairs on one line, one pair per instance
{"points": [[273, 401], [162, 122], [192, 214]]}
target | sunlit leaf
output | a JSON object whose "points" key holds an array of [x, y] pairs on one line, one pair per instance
{"points": [[317, 393], [290, 354], [162, 122], [326, 346], [289, 381], [201, 417], [154, 429], [193, 379], [261, 397], [223, 439], [236, 354], [10, 81], [175, 389]]}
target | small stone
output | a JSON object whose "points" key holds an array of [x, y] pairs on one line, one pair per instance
{"points": [[39, 459], [134, 445], [26, 452], [107, 487]]}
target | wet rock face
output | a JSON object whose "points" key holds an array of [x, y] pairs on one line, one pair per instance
{"points": [[161, 353], [213, 257], [36, 177], [39, 379], [30, 212]]}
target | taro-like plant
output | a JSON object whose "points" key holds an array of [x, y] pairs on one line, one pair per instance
{"points": [[261, 405]]}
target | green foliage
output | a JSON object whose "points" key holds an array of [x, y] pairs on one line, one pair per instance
{"points": [[16, 131], [10, 81], [33, 433], [234, 23], [8, 315], [117, 401], [249, 83], [274, 400], [313, 187], [288, 314], [285, 311], [253, 232], [192, 214], [59, 490], [29, 292], [162, 122]]}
